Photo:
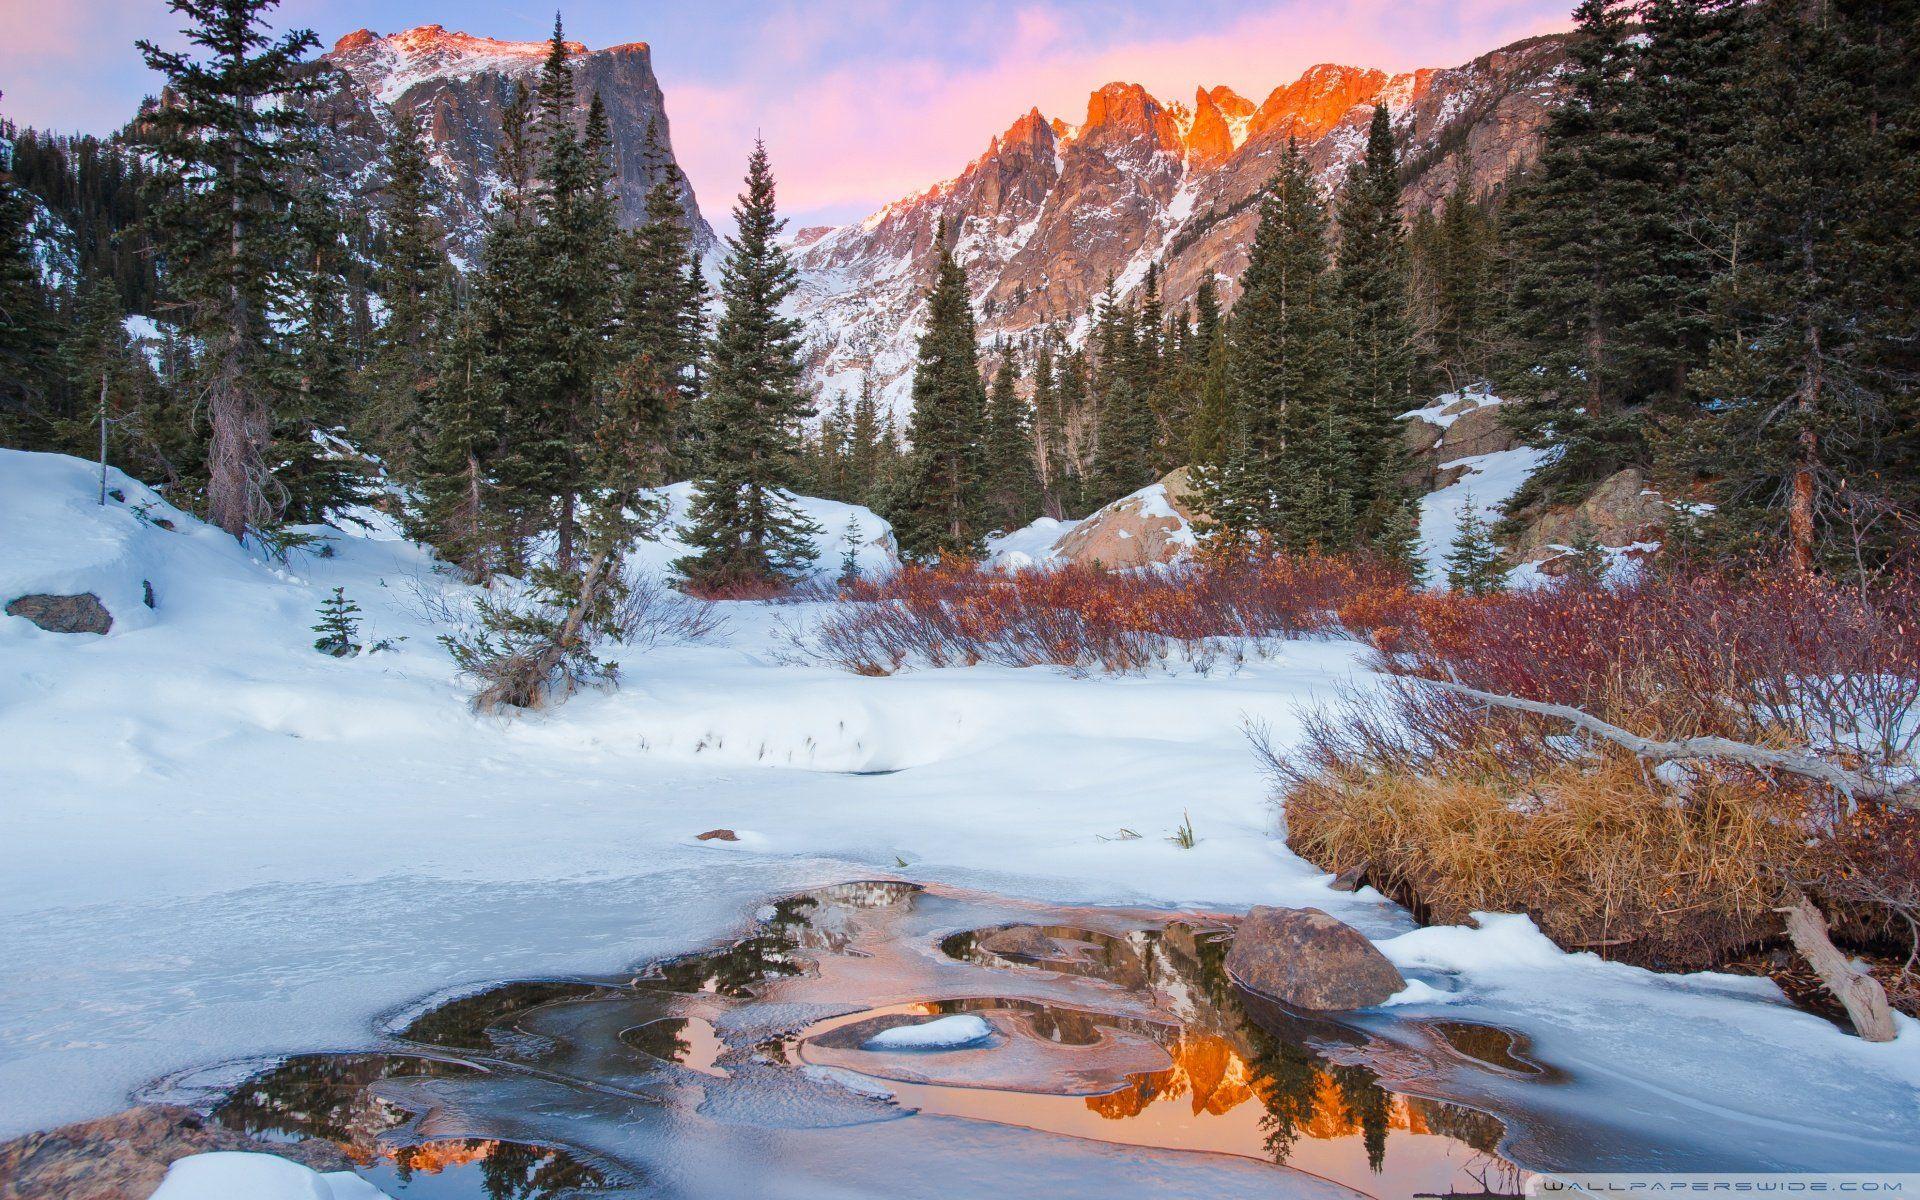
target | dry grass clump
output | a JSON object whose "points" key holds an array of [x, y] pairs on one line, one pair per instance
{"points": [[1594, 854]]}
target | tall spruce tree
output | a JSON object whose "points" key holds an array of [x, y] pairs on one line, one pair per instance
{"points": [[1011, 483], [744, 531], [938, 508], [1581, 265], [1811, 430], [412, 282], [228, 140], [1374, 296], [28, 331], [1286, 474]]}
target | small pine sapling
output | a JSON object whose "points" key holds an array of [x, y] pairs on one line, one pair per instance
{"points": [[850, 555], [1586, 558], [339, 626], [1474, 567]]}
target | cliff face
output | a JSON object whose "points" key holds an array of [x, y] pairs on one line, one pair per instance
{"points": [[1052, 211], [455, 86]]}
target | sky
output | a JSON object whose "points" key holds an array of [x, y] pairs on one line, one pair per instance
{"points": [[860, 101]]}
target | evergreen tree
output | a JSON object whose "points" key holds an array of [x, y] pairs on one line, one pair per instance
{"points": [[867, 452], [456, 507], [1373, 283], [339, 625], [1811, 430], [658, 347], [1124, 369], [228, 141], [28, 333], [1474, 566], [1012, 486], [938, 509], [412, 282], [744, 530], [1286, 476], [1578, 229]]}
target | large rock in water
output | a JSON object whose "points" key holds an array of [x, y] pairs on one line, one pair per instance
{"points": [[64, 614], [1153, 525], [124, 1156], [1308, 960]]}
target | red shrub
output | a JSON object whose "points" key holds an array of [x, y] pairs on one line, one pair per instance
{"points": [[1085, 618]]}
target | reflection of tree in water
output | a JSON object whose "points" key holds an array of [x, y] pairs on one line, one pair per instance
{"points": [[326, 1096], [770, 953], [508, 1170], [661, 1039], [463, 1022]]}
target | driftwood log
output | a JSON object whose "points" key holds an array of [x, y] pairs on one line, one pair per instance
{"points": [[1859, 993]]}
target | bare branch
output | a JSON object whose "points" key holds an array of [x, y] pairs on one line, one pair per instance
{"points": [[1852, 784]]}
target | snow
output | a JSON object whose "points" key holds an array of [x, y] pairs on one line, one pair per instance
{"points": [[1490, 481], [943, 1033], [230, 1175], [1030, 545], [1450, 407], [218, 843]]}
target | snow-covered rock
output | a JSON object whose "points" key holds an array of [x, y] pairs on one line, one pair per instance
{"points": [[237, 1175], [1153, 526], [941, 1033]]}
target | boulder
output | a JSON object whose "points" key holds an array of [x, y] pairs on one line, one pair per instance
{"points": [[63, 614], [1025, 941], [124, 1156], [1308, 960], [717, 835], [1622, 511], [1153, 525], [1477, 430]]}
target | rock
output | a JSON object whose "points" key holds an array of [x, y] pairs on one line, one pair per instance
{"points": [[64, 614], [1154, 525], [1478, 430], [1349, 880], [124, 1156], [1025, 941], [1308, 960], [717, 835], [1622, 511], [1421, 434]]}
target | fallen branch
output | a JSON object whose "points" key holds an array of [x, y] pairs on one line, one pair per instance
{"points": [[1851, 784], [1858, 992]]}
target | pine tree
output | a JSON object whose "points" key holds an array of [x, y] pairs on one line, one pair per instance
{"points": [[412, 282], [1287, 474], [28, 332], [1124, 370], [1812, 430], [658, 345], [1012, 486], [744, 530], [1049, 433], [867, 453], [228, 141], [1577, 231], [339, 625], [456, 508], [1474, 566], [1373, 283], [938, 509]]}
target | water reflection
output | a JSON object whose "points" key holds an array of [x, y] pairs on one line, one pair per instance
{"points": [[1122, 1028]]}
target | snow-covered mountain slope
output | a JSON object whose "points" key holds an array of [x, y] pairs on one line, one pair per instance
{"points": [[454, 86], [1052, 211]]}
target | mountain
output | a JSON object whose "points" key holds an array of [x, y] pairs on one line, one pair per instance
{"points": [[1052, 211], [454, 86]]}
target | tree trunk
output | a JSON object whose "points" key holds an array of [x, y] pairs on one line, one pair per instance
{"points": [[1859, 993]]}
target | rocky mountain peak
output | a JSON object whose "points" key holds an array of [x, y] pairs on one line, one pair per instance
{"points": [[1211, 136], [454, 87], [1313, 104], [1127, 113]]}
